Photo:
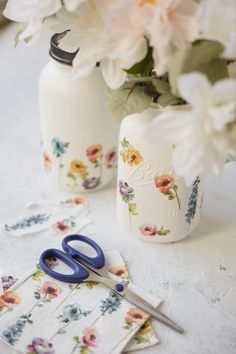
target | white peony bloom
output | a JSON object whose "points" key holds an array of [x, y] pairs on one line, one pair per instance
{"points": [[88, 33], [201, 132], [170, 24], [218, 22], [33, 12]]}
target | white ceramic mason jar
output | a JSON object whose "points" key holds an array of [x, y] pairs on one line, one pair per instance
{"points": [[152, 202], [79, 135]]}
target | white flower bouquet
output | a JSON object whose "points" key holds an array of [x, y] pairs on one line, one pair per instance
{"points": [[155, 52]]}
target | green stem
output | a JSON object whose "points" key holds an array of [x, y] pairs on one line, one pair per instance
{"points": [[177, 198], [66, 297], [59, 172], [74, 348], [100, 169], [54, 335], [36, 304]]}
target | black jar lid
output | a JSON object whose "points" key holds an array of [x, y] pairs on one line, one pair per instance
{"points": [[59, 54]]}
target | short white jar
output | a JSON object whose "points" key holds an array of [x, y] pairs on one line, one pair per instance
{"points": [[79, 135], [153, 203]]}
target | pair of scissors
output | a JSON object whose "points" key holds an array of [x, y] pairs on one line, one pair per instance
{"points": [[89, 268]]}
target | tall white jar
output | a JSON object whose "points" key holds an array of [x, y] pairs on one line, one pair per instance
{"points": [[153, 203], [79, 135]]}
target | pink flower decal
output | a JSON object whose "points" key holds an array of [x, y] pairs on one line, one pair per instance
{"points": [[110, 157], [119, 270], [135, 315], [90, 337], [148, 230], [50, 289], [93, 152], [61, 227], [75, 201], [151, 230]]}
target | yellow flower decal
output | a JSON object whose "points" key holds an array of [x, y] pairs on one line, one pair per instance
{"points": [[129, 154], [132, 209], [78, 166], [145, 329], [38, 275]]}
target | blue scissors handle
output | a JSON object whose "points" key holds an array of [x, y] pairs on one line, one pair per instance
{"points": [[95, 262], [79, 272]]}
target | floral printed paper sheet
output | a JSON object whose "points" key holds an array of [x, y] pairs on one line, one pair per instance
{"points": [[55, 317], [55, 217]]}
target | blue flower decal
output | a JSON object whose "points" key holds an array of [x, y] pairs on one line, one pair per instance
{"points": [[111, 304], [37, 219], [59, 147], [73, 313], [192, 203], [13, 332]]}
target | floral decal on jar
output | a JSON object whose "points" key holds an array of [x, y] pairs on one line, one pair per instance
{"points": [[59, 149], [135, 316], [90, 339], [91, 183], [47, 161], [110, 158], [40, 346], [192, 202], [129, 154], [151, 230], [96, 159], [127, 194], [167, 186]]}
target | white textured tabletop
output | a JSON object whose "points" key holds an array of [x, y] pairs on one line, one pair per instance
{"points": [[196, 277]]}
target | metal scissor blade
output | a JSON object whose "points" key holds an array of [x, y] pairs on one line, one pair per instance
{"points": [[133, 298]]}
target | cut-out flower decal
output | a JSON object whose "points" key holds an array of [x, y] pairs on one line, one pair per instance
{"points": [[64, 226], [129, 154], [75, 201], [120, 270], [50, 290], [25, 223], [167, 186], [73, 313], [135, 316], [90, 337], [111, 303], [151, 230], [9, 299], [40, 346], [8, 281]]}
